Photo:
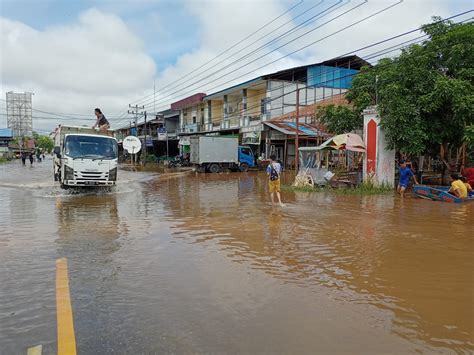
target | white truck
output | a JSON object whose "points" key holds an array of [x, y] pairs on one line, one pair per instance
{"points": [[84, 156], [214, 153]]}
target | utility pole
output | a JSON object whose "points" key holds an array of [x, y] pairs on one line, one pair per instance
{"points": [[145, 148], [135, 111], [297, 142]]}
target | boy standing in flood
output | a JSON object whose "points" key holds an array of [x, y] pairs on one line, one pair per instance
{"points": [[405, 174], [273, 173]]}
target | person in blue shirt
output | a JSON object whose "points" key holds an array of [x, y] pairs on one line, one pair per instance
{"points": [[405, 174]]}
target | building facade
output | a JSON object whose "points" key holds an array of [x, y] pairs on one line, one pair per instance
{"points": [[159, 135], [249, 109]]}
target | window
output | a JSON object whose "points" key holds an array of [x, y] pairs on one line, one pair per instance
{"points": [[246, 151], [263, 106], [194, 119]]}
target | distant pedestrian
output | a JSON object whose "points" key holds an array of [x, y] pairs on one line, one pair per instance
{"points": [[274, 173], [100, 122], [31, 158], [23, 158], [405, 174]]}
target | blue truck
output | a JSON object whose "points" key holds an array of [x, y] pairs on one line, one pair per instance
{"points": [[218, 153]]}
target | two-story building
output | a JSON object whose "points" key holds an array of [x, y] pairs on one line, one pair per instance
{"points": [[160, 130]]}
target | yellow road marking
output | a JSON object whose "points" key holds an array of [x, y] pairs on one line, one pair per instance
{"points": [[35, 350], [66, 338]]}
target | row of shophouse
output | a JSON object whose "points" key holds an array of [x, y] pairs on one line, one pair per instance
{"points": [[261, 111]]}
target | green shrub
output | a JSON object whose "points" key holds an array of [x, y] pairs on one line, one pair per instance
{"points": [[367, 188]]}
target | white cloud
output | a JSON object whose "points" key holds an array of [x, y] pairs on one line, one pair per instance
{"points": [[224, 23], [99, 61], [96, 61]]}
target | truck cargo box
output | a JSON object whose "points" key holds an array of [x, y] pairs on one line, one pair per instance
{"points": [[214, 150]]}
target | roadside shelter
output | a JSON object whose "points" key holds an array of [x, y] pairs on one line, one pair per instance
{"points": [[341, 153]]}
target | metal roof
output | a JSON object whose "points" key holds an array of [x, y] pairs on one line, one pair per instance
{"points": [[351, 61], [304, 129], [188, 101], [6, 132]]}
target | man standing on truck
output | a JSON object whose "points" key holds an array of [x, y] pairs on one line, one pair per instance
{"points": [[274, 172], [100, 122]]}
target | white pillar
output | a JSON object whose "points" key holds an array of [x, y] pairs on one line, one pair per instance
{"points": [[379, 162]]}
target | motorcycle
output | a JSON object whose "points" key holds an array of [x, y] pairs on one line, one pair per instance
{"points": [[179, 162]]}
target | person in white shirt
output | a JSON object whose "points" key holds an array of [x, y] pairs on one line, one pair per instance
{"points": [[274, 173]]}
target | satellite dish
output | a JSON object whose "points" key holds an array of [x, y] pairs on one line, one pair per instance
{"points": [[132, 144]]}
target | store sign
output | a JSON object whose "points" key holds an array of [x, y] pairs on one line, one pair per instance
{"points": [[162, 134], [251, 138]]}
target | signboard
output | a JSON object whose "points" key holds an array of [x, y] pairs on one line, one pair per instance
{"points": [[149, 141], [184, 141], [133, 131], [251, 138], [162, 134]]}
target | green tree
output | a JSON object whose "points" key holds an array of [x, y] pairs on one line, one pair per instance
{"points": [[43, 142], [339, 119], [425, 95]]}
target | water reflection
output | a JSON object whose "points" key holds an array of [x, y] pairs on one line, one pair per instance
{"points": [[408, 258], [89, 221]]}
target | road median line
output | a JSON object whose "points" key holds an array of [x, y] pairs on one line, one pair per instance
{"points": [[35, 350], [65, 323]]}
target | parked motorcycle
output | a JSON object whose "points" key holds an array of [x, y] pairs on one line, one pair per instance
{"points": [[179, 162]]}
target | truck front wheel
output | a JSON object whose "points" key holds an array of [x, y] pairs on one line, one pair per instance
{"points": [[244, 167], [214, 168]]}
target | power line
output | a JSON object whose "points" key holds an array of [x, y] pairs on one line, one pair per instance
{"points": [[380, 42], [267, 44], [384, 51], [236, 44], [300, 49], [331, 8], [231, 47]]}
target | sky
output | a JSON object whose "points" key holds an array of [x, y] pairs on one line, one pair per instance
{"points": [[77, 55]]}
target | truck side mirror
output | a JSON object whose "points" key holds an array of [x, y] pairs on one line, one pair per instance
{"points": [[57, 152]]}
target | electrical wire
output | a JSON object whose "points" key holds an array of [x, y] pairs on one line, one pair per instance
{"points": [[260, 57], [229, 48], [267, 44], [376, 54]]}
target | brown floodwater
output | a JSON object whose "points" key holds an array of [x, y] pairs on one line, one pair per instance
{"points": [[202, 263]]}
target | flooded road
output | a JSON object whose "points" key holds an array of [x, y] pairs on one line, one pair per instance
{"points": [[186, 263]]}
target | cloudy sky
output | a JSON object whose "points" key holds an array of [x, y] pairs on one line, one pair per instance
{"points": [[77, 55]]}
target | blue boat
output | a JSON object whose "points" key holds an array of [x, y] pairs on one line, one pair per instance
{"points": [[439, 193]]}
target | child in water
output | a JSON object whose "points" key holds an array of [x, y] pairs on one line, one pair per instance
{"points": [[405, 174]]}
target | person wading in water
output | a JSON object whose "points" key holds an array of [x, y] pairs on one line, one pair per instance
{"points": [[101, 122], [274, 173]]}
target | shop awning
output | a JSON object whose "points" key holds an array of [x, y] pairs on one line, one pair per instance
{"points": [[304, 129], [349, 141]]}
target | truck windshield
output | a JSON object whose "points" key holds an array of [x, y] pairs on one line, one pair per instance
{"points": [[95, 147]]}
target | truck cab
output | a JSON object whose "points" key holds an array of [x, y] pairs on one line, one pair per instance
{"points": [[84, 158], [246, 158]]}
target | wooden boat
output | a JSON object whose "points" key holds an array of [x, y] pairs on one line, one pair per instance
{"points": [[439, 193]]}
